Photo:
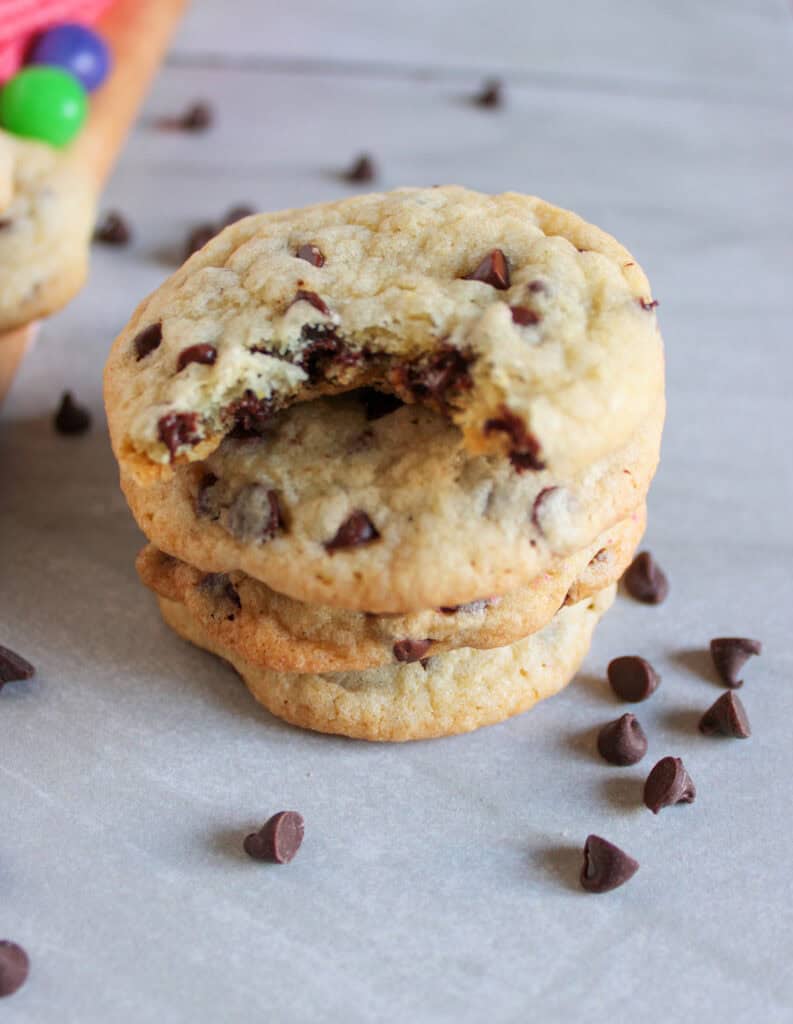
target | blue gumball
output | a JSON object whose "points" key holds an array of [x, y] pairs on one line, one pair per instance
{"points": [[76, 49]]}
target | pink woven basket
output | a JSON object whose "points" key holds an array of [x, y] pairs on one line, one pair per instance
{"points": [[21, 20]]}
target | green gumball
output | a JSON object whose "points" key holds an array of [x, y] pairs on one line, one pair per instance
{"points": [[43, 103]]}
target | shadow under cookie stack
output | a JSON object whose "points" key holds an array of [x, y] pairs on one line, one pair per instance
{"points": [[392, 453]]}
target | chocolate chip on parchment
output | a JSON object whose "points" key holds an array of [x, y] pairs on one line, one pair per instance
{"points": [[14, 967], [198, 117], [623, 741], [730, 654], [279, 838], [411, 650], [13, 667], [71, 418], [667, 784], [632, 678], [147, 340], [524, 317], [206, 354], [645, 580], [255, 514], [112, 229], [178, 428], [378, 404], [493, 270], [198, 238], [606, 866], [356, 530], [727, 716], [311, 254], [361, 170], [490, 95], [235, 213]]}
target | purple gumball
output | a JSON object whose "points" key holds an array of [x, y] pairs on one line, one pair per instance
{"points": [[76, 49]]}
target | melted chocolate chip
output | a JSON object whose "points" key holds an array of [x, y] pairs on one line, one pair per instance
{"points": [[206, 354], [311, 297], [606, 866], [730, 654], [198, 238], [493, 270], [112, 229], [411, 650], [667, 784], [524, 317], [255, 514], [249, 415], [311, 254], [645, 580], [525, 451], [206, 504], [220, 586], [623, 741], [361, 170], [436, 379], [648, 304], [324, 348], [491, 94], [14, 967], [71, 418], [13, 667], [632, 678], [378, 404], [147, 340], [727, 716], [278, 840], [357, 530], [177, 429]]}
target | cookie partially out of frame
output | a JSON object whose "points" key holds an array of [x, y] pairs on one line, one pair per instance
{"points": [[450, 693], [46, 220], [531, 330], [272, 631]]}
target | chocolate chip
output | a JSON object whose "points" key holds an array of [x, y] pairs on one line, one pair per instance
{"points": [[632, 678], [537, 287], [206, 354], [469, 608], [147, 340], [537, 507], [493, 270], [178, 428], [255, 514], [71, 418], [206, 503], [235, 213], [378, 403], [311, 254], [14, 967], [622, 741], [524, 317], [667, 784], [606, 866], [411, 650], [112, 229], [727, 716], [525, 451], [648, 304], [313, 298], [356, 530], [249, 415], [5, 223], [438, 378], [645, 580], [13, 667], [361, 170], [279, 838], [198, 238], [730, 654], [490, 95], [198, 117]]}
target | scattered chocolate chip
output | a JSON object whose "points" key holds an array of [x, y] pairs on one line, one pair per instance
{"points": [[524, 317], [235, 213], [623, 741], [197, 118], [249, 415], [361, 170], [648, 304], [14, 967], [198, 238], [727, 716], [147, 340], [313, 299], [206, 504], [490, 95], [730, 654], [112, 229], [493, 270], [71, 418], [311, 254], [255, 514], [525, 451], [206, 354], [356, 530], [13, 667], [279, 838], [469, 608], [632, 678], [178, 428], [411, 650], [606, 866], [645, 580], [378, 403], [667, 784]]}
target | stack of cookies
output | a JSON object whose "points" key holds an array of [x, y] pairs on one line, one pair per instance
{"points": [[392, 453]]}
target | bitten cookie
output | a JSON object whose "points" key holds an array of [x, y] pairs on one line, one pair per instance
{"points": [[529, 329], [447, 694], [46, 219], [272, 631]]}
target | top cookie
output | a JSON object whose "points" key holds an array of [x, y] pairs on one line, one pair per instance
{"points": [[46, 219], [529, 328]]}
